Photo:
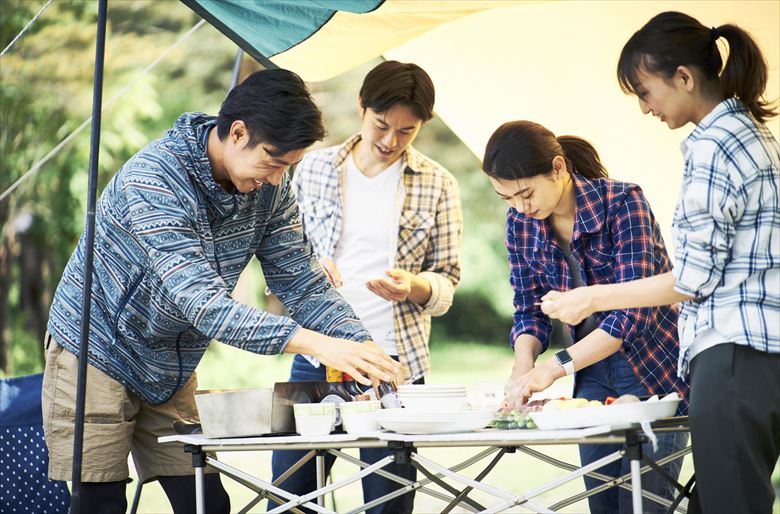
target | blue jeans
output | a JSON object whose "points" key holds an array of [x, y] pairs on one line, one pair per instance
{"points": [[305, 479], [613, 376]]}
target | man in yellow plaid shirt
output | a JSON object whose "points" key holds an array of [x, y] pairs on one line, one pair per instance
{"points": [[385, 222]]}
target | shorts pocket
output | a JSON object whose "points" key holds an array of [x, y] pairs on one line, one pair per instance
{"points": [[184, 400], [105, 399], [106, 447]]}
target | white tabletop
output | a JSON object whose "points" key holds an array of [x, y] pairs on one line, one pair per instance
{"points": [[488, 437]]}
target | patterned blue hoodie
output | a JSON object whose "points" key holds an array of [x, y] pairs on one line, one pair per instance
{"points": [[170, 244]]}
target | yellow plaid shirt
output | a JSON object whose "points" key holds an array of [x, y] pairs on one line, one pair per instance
{"points": [[429, 233]]}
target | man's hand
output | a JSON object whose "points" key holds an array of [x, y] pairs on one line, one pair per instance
{"points": [[331, 271], [357, 359], [395, 288], [399, 286], [570, 307]]}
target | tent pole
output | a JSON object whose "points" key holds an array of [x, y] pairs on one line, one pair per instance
{"points": [[236, 69], [81, 385]]}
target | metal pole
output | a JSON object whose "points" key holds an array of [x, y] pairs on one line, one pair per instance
{"points": [[236, 69], [200, 491], [636, 486], [320, 461], [634, 451], [81, 385]]}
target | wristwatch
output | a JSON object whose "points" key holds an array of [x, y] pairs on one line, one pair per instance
{"points": [[564, 359]]}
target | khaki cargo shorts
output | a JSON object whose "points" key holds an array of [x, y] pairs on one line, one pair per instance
{"points": [[116, 422]]}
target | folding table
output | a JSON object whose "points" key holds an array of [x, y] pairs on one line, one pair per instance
{"points": [[495, 443]]}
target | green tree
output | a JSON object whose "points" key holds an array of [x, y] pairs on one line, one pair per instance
{"points": [[45, 93]]}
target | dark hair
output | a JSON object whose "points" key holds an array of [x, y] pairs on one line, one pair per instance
{"points": [[673, 39], [524, 149], [276, 108], [397, 83]]}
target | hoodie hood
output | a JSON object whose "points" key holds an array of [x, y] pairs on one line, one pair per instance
{"points": [[191, 132]]}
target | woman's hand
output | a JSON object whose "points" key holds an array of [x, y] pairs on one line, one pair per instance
{"points": [[519, 389], [571, 306], [396, 288], [511, 400]]}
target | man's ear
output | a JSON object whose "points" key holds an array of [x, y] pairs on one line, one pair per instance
{"points": [[239, 132], [361, 109]]}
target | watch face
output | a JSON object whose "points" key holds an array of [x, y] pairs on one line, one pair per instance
{"points": [[563, 357]]}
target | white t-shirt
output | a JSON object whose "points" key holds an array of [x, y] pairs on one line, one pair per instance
{"points": [[366, 246]]}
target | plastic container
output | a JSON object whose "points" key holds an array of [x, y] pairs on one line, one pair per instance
{"points": [[314, 419], [360, 417]]}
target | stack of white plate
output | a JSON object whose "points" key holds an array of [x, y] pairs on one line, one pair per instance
{"points": [[405, 421], [433, 397]]}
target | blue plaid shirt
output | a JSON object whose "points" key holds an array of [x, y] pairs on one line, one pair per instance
{"points": [[615, 239], [727, 232]]}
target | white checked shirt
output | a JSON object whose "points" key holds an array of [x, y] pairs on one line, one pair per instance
{"points": [[727, 232], [430, 227]]}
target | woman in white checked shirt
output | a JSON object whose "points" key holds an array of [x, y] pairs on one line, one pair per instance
{"points": [[727, 231]]}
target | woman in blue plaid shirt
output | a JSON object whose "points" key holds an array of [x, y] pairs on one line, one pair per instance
{"points": [[727, 271], [569, 225]]}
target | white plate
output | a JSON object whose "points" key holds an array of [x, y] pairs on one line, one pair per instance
{"points": [[411, 395], [420, 388], [417, 415], [433, 404], [406, 422], [607, 414], [403, 390]]}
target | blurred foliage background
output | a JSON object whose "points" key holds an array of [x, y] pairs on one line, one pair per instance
{"points": [[46, 92]]}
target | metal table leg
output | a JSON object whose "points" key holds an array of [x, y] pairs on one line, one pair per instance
{"points": [[199, 463], [634, 451], [320, 463]]}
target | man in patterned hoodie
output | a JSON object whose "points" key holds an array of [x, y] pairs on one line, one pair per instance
{"points": [[174, 230]]}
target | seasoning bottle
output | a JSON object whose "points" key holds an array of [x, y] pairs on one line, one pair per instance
{"points": [[352, 387], [388, 395], [334, 391]]}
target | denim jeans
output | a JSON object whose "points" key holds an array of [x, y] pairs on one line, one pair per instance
{"points": [[304, 480], [613, 376]]}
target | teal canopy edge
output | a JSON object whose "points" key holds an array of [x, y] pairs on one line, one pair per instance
{"points": [[265, 28]]}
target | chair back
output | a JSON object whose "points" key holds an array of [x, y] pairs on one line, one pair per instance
{"points": [[24, 457]]}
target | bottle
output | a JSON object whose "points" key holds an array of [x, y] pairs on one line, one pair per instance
{"points": [[388, 395], [351, 386], [334, 391]]}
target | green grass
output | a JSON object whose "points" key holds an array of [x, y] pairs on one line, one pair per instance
{"points": [[226, 367]]}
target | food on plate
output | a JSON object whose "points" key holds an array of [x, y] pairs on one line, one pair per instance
{"points": [[570, 403], [512, 420], [521, 418], [626, 398], [515, 419]]}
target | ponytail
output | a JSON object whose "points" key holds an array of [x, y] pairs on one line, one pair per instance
{"points": [[581, 157], [745, 74], [673, 39], [524, 149]]}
